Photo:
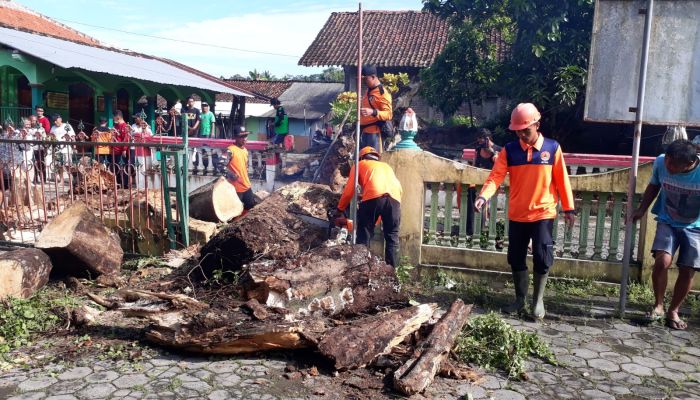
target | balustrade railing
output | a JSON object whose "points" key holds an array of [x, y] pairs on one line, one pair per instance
{"points": [[597, 234]]}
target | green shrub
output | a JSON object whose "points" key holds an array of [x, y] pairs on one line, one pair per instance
{"points": [[462, 120], [21, 319], [491, 343], [403, 271]]}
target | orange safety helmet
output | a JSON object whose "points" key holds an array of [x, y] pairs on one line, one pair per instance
{"points": [[524, 115], [368, 150]]}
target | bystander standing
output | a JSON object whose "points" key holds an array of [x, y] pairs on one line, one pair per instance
{"points": [[676, 181]]}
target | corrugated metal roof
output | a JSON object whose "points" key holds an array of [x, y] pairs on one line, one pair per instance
{"points": [[308, 98], [68, 54]]}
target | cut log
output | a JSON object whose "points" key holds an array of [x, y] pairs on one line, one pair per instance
{"points": [[216, 201], [268, 231], [357, 344], [201, 231], [222, 332], [79, 244], [23, 272], [343, 279], [419, 371]]}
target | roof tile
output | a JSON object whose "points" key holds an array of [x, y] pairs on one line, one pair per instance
{"points": [[390, 39]]}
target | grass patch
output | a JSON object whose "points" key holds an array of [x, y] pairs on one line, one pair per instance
{"points": [[404, 271], [640, 294], [491, 343], [478, 292], [22, 319]]}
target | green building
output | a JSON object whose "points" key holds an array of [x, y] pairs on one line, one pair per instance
{"points": [[43, 62]]}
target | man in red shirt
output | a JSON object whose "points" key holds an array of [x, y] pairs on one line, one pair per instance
{"points": [[121, 153], [45, 123]]}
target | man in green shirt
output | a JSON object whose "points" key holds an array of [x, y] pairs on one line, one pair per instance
{"points": [[281, 124], [207, 120]]}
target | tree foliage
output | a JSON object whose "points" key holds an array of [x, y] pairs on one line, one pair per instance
{"points": [[331, 74], [547, 44]]}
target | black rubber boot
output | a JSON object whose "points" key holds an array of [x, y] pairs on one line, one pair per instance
{"points": [[520, 281]]}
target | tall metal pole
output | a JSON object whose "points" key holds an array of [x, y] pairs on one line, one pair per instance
{"points": [[639, 115], [353, 204]]}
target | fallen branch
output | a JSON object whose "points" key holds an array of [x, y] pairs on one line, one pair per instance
{"points": [[419, 371]]}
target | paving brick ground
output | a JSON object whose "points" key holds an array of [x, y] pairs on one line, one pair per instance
{"points": [[599, 359]]}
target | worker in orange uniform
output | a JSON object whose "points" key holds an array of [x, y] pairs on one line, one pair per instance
{"points": [[538, 180], [380, 196], [376, 109], [237, 168]]}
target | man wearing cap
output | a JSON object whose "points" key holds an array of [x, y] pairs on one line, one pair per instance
{"points": [[538, 180], [375, 111], [380, 197], [237, 168]]}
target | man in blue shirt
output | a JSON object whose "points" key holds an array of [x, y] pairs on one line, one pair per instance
{"points": [[676, 181]]}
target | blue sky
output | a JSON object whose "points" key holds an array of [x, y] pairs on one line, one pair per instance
{"points": [[274, 26]]}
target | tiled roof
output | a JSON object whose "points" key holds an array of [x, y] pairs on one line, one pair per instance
{"points": [[16, 16], [390, 39], [262, 90]]}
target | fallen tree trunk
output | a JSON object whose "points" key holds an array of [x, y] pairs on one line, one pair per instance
{"points": [[23, 272], [216, 201], [357, 344], [79, 244], [271, 230], [335, 166], [221, 332], [419, 371], [325, 281]]}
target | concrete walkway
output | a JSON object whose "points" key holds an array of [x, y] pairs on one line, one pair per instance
{"points": [[599, 359]]}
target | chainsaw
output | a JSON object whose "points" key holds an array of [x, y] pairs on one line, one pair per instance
{"points": [[329, 224]]}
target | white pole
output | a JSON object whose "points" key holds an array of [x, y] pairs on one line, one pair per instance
{"points": [[353, 211], [639, 115]]}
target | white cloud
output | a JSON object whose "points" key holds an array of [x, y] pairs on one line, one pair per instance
{"points": [[274, 30]]}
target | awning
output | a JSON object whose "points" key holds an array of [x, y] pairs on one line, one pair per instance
{"points": [[68, 54]]}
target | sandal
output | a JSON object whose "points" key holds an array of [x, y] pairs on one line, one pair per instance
{"points": [[676, 324], [656, 316]]}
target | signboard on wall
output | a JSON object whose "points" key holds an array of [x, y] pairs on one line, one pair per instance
{"points": [[673, 75], [57, 100]]}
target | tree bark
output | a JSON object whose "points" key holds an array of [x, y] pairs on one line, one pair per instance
{"points": [[79, 244], [216, 201], [357, 344], [336, 164], [325, 281], [419, 371], [271, 230], [23, 272]]}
